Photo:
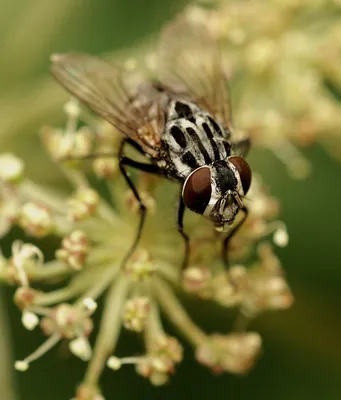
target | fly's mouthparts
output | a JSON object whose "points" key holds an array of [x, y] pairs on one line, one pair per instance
{"points": [[236, 196]]}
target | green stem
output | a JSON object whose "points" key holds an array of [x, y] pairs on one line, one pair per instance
{"points": [[154, 327], [176, 313], [102, 283], [6, 361], [52, 270], [41, 194], [109, 329]]}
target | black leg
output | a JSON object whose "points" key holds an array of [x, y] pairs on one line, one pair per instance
{"points": [[93, 156], [150, 168], [232, 232], [181, 211], [135, 145], [125, 161]]}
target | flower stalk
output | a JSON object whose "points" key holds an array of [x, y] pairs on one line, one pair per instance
{"points": [[110, 329], [176, 313]]}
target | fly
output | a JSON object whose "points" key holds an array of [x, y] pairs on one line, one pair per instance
{"points": [[181, 123]]}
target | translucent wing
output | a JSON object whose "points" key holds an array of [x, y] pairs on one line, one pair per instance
{"points": [[190, 60], [240, 147], [105, 89]]}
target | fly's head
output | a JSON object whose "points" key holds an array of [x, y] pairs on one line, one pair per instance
{"points": [[216, 190]]}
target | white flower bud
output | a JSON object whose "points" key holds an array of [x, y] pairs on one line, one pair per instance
{"points": [[21, 366], [83, 204], [158, 378], [135, 313], [72, 109], [11, 167], [35, 219], [80, 347], [196, 279], [281, 237], [29, 320], [159, 364], [90, 304], [105, 167], [74, 250], [114, 363]]}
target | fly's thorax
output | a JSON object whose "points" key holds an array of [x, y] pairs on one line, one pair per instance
{"points": [[180, 108], [212, 190], [192, 138]]}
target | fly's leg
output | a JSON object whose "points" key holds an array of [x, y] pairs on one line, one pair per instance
{"points": [[230, 235], [124, 162], [180, 226], [127, 162], [242, 320], [93, 156]]}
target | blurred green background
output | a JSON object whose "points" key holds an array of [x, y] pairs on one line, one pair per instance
{"points": [[302, 346]]}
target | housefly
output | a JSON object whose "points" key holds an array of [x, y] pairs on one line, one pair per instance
{"points": [[180, 122]]}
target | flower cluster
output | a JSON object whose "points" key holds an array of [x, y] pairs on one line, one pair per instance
{"points": [[94, 239], [96, 232]]}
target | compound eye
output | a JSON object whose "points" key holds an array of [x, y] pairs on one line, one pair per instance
{"points": [[244, 171], [196, 191]]}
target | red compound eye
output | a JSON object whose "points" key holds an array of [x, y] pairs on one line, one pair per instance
{"points": [[244, 171], [197, 190]]}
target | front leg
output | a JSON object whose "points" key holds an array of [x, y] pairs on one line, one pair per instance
{"points": [[232, 232], [123, 162], [180, 226]]}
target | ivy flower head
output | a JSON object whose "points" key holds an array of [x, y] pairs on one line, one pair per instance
{"points": [[95, 234], [96, 229]]}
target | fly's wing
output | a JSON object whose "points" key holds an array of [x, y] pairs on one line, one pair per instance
{"points": [[105, 89], [190, 61], [240, 147]]}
